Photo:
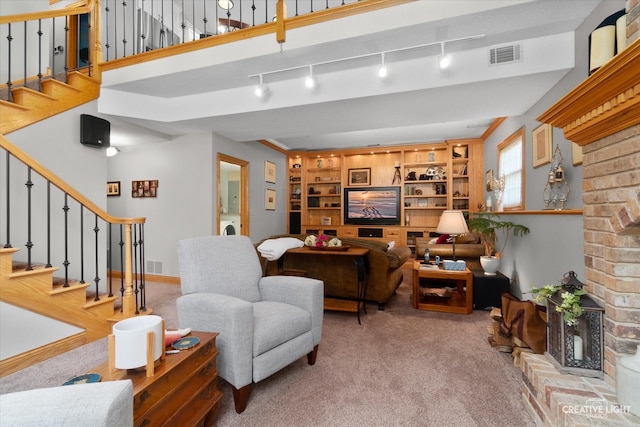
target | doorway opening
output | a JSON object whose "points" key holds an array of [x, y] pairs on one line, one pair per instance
{"points": [[232, 204]]}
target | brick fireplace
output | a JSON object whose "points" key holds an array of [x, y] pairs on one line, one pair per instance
{"points": [[602, 115]]}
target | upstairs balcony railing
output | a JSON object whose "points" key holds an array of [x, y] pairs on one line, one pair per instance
{"points": [[50, 44]]}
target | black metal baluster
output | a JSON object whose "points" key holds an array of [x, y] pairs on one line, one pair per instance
{"points": [[24, 82], [82, 244], [162, 32], [153, 25], [66, 241], [66, 46], [110, 260], [9, 83], [29, 244], [296, 7], [115, 29], [136, 291], [122, 272], [91, 48], [39, 55], [107, 10], [53, 46], [135, 48], [311, 3], [173, 25], [143, 297], [143, 34], [266, 11], [241, 21], [183, 25], [253, 13], [124, 28], [204, 18], [96, 229], [48, 224], [8, 243]]}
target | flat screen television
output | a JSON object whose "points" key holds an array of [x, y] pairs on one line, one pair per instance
{"points": [[372, 206]]}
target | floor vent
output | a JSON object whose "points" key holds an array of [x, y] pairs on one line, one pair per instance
{"points": [[505, 54], [154, 267]]}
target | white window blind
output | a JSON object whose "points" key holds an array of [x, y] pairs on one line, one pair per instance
{"points": [[511, 168]]}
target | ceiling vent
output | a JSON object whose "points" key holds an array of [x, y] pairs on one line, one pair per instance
{"points": [[505, 54]]}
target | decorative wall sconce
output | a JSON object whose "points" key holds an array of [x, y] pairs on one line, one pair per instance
{"points": [[556, 190]]}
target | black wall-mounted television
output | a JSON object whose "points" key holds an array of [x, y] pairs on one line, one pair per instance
{"points": [[372, 206]]}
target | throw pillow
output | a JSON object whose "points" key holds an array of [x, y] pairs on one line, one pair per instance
{"points": [[442, 239]]}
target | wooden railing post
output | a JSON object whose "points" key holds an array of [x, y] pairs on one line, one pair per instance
{"points": [[128, 300]]}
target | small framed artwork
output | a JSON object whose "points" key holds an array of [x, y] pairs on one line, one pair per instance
{"points": [[576, 154], [113, 188], [270, 172], [541, 145], [360, 176], [147, 188], [270, 199], [488, 179]]}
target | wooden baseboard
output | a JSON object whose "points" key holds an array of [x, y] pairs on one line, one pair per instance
{"points": [[152, 278], [37, 355]]}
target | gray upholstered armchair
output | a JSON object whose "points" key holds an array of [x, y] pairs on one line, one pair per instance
{"points": [[265, 323]]}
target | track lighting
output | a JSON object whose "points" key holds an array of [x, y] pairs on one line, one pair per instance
{"points": [[262, 89], [443, 60], [382, 71], [310, 82]]}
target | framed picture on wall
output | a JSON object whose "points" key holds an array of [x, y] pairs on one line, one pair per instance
{"points": [[270, 172], [270, 199], [541, 145], [576, 154], [113, 188], [360, 176]]}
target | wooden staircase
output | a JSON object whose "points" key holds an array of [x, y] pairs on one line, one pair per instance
{"points": [[30, 106], [37, 290]]}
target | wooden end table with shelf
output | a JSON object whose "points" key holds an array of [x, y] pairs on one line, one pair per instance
{"points": [[458, 301], [183, 390]]}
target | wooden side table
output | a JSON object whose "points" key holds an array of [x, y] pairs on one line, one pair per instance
{"points": [[183, 390], [459, 300]]}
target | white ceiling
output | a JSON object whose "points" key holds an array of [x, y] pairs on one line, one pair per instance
{"points": [[210, 90]]}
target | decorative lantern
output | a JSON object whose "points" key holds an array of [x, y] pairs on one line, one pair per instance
{"points": [[576, 349]]}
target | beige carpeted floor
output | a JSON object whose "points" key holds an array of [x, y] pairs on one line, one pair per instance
{"points": [[401, 367]]}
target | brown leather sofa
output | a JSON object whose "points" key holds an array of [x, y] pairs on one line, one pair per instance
{"points": [[468, 248], [339, 274]]}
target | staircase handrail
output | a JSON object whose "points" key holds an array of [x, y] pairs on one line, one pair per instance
{"points": [[33, 16], [58, 182]]}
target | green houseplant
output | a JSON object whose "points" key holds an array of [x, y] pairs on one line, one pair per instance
{"points": [[486, 224]]}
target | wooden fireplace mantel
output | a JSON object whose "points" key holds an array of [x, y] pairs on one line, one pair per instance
{"points": [[607, 102]]}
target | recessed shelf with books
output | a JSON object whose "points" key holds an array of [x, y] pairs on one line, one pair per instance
{"points": [[324, 190]]}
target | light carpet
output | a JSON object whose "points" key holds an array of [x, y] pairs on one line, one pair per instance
{"points": [[401, 367]]}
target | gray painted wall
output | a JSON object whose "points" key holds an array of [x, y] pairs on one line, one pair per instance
{"points": [[555, 244], [186, 169]]}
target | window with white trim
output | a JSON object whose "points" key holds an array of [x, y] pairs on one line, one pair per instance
{"points": [[511, 166]]}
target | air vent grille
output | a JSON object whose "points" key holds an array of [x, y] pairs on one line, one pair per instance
{"points": [[505, 54]]}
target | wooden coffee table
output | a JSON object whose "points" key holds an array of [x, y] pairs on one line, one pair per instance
{"points": [[458, 300], [183, 390]]}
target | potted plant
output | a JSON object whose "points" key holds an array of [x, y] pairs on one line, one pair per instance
{"points": [[486, 224]]}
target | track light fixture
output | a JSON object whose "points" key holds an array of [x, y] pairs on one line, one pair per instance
{"points": [[310, 82], [262, 89], [382, 71], [443, 60]]}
